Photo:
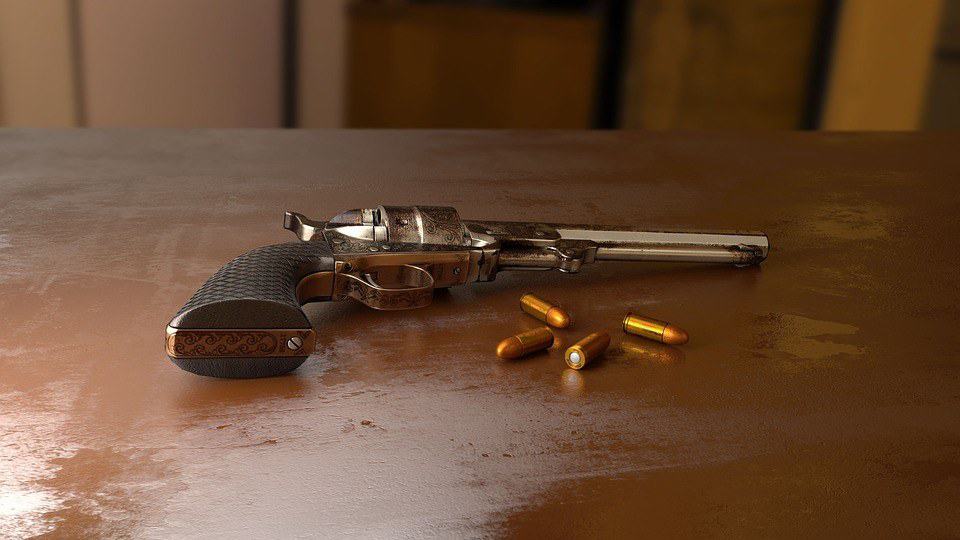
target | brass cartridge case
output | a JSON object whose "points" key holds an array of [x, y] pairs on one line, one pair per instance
{"points": [[545, 311], [525, 343], [661, 331], [587, 349]]}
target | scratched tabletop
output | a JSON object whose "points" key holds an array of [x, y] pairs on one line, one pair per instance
{"points": [[819, 393]]}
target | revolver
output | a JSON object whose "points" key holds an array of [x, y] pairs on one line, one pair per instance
{"points": [[246, 320]]}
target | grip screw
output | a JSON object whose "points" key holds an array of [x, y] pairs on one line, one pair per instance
{"points": [[294, 343]]}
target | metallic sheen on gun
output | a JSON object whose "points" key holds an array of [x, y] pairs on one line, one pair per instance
{"points": [[246, 320]]}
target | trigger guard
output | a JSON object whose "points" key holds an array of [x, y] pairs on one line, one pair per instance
{"points": [[417, 292]]}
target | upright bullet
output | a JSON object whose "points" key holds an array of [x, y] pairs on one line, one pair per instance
{"points": [[525, 343], [587, 349], [545, 311], [661, 331]]}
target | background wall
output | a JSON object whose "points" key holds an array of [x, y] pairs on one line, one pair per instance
{"points": [[942, 105], [322, 63], [647, 64], [881, 64], [458, 66], [38, 79], [720, 63], [181, 63]]}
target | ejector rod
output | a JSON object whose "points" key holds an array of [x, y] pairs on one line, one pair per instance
{"points": [[733, 248]]}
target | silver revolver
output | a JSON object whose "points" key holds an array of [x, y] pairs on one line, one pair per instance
{"points": [[246, 320]]}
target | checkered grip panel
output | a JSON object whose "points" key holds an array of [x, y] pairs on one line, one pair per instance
{"points": [[269, 273]]}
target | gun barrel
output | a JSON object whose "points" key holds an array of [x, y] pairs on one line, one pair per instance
{"points": [[661, 246]]}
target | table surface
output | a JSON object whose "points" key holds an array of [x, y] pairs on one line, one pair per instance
{"points": [[819, 393]]}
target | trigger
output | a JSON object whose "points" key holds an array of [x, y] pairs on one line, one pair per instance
{"points": [[388, 287]]}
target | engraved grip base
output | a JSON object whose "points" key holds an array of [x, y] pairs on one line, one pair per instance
{"points": [[246, 320]]}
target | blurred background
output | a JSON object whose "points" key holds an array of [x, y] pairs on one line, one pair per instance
{"points": [[643, 64]]}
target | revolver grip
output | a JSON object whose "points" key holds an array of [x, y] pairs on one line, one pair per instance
{"points": [[246, 320]]}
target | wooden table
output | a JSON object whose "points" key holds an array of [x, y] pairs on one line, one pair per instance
{"points": [[820, 394]]}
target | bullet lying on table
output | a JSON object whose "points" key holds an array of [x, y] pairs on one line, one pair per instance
{"points": [[525, 343], [545, 311], [661, 331], [587, 349]]}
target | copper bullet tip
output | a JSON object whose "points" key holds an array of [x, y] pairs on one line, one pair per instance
{"points": [[557, 318], [525, 343], [675, 336], [661, 331], [510, 348], [545, 311]]}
